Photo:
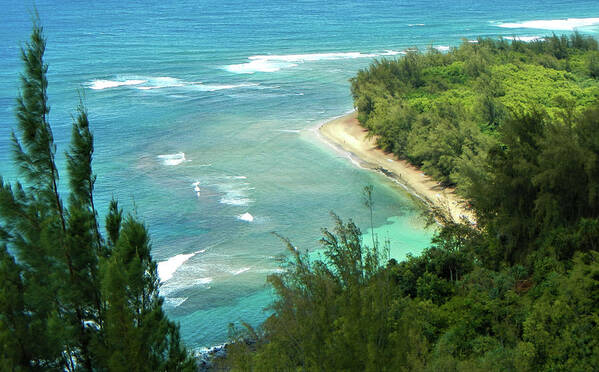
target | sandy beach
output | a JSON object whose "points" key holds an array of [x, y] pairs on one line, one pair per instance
{"points": [[346, 134]]}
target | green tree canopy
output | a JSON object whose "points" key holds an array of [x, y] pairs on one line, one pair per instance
{"points": [[71, 299]]}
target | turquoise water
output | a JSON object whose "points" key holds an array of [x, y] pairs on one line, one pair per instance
{"points": [[225, 96]]}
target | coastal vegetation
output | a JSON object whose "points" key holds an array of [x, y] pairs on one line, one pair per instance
{"points": [[442, 111], [71, 297], [516, 127]]}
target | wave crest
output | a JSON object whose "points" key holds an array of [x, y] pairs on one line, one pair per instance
{"points": [[235, 193], [526, 39], [106, 84], [166, 269], [568, 24], [147, 83], [247, 217], [172, 159], [273, 63]]}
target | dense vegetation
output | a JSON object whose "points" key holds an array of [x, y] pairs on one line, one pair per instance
{"points": [[516, 126], [71, 298], [441, 111]]}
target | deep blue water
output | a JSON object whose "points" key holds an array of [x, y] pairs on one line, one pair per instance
{"points": [[227, 94]]}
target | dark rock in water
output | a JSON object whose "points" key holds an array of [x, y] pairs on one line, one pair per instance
{"points": [[386, 172], [210, 359], [207, 356]]}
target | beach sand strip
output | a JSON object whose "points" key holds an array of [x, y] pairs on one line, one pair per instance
{"points": [[348, 135]]}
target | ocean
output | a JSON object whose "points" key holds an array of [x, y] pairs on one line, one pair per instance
{"points": [[205, 115]]}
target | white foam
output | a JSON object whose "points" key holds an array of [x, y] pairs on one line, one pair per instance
{"points": [[442, 48], [526, 39], [236, 201], [174, 301], [216, 87], [172, 159], [288, 130], [235, 194], [242, 270], [203, 281], [271, 271], [260, 65], [162, 82], [196, 188], [415, 24], [273, 63], [391, 53], [246, 217], [354, 161], [105, 84], [568, 24], [166, 269]]}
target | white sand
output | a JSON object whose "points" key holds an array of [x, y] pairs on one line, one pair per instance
{"points": [[346, 133]]}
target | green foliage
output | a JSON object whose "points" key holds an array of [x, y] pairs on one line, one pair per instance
{"points": [[338, 313], [437, 110], [561, 331], [69, 300], [516, 125]]}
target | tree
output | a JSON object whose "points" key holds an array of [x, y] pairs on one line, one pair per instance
{"points": [[369, 203], [64, 289], [338, 313], [138, 336]]}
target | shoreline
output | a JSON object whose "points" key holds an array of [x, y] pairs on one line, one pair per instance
{"points": [[346, 134]]}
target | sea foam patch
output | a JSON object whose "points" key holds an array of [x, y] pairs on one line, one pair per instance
{"points": [[106, 84], [240, 271], [172, 159], [196, 188], [235, 193], [150, 83], [203, 281], [259, 65], [526, 39], [247, 217], [273, 63], [174, 301], [568, 24], [166, 269], [162, 82]]}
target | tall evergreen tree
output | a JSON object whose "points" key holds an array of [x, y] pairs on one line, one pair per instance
{"points": [[70, 299], [139, 337], [14, 329]]}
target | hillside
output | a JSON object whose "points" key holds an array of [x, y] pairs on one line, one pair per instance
{"points": [[516, 127]]}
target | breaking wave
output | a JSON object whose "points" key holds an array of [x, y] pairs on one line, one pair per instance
{"points": [[568, 24], [273, 63], [526, 39], [106, 84], [163, 82], [172, 159], [235, 193], [247, 217], [166, 269]]}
